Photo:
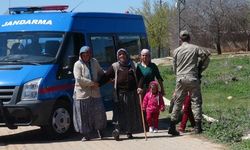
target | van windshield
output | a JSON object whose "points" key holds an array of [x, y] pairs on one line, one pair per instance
{"points": [[29, 47]]}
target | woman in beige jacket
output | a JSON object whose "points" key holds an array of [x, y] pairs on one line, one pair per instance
{"points": [[88, 109]]}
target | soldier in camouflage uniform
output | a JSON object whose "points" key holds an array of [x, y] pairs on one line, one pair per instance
{"points": [[188, 63]]}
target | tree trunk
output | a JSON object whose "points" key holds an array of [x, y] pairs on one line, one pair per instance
{"points": [[248, 42], [159, 51], [218, 46]]}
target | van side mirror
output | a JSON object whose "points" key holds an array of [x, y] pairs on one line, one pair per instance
{"points": [[67, 70], [71, 61]]}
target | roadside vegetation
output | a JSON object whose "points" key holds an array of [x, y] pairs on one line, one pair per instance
{"points": [[226, 97], [222, 25]]}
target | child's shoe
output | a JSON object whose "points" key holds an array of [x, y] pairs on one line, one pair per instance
{"points": [[181, 130], [151, 129], [155, 130]]}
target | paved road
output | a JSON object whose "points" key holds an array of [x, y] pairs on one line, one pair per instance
{"points": [[32, 138]]}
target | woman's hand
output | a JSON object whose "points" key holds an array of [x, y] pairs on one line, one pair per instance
{"points": [[139, 91], [162, 92], [95, 85]]}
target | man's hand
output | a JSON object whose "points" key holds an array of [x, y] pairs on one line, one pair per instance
{"points": [[162, 109]]}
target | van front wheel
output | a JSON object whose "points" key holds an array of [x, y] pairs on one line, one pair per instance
{"points": [[60, 121]]}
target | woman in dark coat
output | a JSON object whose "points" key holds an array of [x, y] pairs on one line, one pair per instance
{"points": [[126, 113]]}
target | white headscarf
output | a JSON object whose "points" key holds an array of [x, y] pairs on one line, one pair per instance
{"points": [[145, 51]]}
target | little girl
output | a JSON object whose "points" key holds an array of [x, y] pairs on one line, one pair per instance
{"points": [[187, 114], [153, 103]]}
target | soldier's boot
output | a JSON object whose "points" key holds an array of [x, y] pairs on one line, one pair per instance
{"points": [[172, 129], [197, 127]]}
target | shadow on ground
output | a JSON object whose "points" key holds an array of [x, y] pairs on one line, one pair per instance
{"points": [[39, 136]]}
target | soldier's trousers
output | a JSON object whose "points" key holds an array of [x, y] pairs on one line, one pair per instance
{"points": [[183, 86]]}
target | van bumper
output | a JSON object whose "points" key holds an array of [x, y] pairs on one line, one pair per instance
{"points": [[24, 113]]}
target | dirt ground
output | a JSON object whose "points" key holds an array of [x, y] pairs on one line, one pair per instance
{"points": [[168, 60], [32, 138]]}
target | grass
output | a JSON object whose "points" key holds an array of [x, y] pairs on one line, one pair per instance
{"points": [[226, 97]]}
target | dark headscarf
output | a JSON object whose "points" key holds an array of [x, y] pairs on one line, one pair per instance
{"points": [[127, 63]]}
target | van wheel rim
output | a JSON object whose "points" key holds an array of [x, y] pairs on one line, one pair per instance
{"points": [[61, 120]]}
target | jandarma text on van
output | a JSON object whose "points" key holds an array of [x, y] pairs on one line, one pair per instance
{"points": [[26, 22]]}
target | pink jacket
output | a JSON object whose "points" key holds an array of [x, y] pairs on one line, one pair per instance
{"points": [[153, 103]]}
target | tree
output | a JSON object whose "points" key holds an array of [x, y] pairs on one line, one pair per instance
{"points": [[218, 23], [156, 17], [223, 25]]}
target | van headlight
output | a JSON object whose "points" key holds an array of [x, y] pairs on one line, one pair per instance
{"points": [[30, 90]]}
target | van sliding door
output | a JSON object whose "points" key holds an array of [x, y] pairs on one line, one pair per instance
{"points": [[103, 48]]}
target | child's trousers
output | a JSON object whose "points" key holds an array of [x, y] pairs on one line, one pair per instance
{"points": [[187, 114], [152, 119]]}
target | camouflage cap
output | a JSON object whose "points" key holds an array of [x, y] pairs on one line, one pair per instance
{"points": [[184, 33]]}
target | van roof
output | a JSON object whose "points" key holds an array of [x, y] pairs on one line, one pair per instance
{"points": [[64, 21], [32, 9]]}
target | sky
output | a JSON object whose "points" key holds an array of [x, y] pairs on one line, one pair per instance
{"points": [[119, 6]]}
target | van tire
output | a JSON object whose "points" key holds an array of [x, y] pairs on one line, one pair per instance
{"points": [[60, 122]]}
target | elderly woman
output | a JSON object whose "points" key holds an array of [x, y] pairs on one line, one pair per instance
{"points": [[126, 113], [146, 72], [88, 109]]}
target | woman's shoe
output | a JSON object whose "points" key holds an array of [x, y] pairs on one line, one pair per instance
{"points": [[115, 134], [86, 138], [130, 136], [100, 134]]}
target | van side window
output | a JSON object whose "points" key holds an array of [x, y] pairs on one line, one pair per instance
{"points": [[103, 49], [4, 50], [131, 43], [71, 48]]}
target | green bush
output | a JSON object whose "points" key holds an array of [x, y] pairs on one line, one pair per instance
{"points": [[230, 127], [245, 145]]}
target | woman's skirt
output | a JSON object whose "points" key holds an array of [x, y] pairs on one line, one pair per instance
{"points": [[88, 115], [126, 114]]}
